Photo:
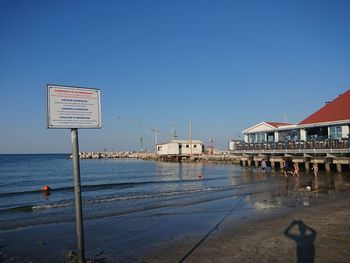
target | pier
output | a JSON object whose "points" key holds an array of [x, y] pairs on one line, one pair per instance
{"points": [[330, 155]]}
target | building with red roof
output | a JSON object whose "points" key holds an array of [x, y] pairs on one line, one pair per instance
{"points": [[328, 123], [337, 110], [320, 139]]}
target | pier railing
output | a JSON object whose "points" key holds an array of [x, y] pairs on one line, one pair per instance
{"points": [[292, 145]]}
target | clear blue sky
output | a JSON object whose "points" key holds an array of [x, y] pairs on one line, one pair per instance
{"points": [[225, 65]]}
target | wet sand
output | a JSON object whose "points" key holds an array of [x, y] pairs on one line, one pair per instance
{"points": [[265, 241]]}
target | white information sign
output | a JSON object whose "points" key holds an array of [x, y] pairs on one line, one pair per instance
{"points": [[73, 107]]}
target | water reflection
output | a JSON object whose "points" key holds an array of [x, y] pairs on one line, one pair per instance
{"points": [[294, 191]]}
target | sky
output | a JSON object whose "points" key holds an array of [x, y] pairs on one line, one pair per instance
{"points": [[223, 65]]}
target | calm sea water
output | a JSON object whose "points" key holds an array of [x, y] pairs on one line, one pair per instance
{"points": [[115, 187]]}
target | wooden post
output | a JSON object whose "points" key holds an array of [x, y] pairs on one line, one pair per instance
{"points": [[256, 163], [307, 166]]}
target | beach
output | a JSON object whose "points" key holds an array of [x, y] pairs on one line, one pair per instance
{"points": [[264, 241], [235, 240], [146, 211]]}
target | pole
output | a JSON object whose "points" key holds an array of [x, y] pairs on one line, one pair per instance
{"points": [[77, 193], [190, 139], [172, 131], [156, 138]]}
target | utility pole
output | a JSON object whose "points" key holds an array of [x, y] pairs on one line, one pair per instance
{"points": [[173, 132], [156, 138], [190, 139], [211, 146], [141, 143], [156, 141]]}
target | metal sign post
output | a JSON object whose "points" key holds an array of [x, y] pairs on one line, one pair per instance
{"points": [[72, 108], [77, 193]]}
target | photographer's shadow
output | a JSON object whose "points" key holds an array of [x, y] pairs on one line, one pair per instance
{"points": [[305, 241]]}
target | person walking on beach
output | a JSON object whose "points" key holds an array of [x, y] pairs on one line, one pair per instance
{"points": [[296, 170], [285, 168], [268, 165], [263, 166]]}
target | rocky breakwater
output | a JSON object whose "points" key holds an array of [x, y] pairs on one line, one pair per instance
{"points": [[221, 158], [115, 155]]}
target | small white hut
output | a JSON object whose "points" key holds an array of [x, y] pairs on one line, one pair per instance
{"points": [[180, 148]]}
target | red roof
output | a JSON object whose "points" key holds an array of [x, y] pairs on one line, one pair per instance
{"points": [[277, 124], [336, 110]]}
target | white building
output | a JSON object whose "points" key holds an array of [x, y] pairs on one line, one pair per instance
{"points": [[265, 132], [331, 122], [180, 148]]}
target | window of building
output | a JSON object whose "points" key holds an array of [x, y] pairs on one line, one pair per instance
{"points": [[187, 146], [260, 137], [195, 146], [335, 132], [317, 133], [270, 137], [180, 146], [251, 137], [159, 148]]}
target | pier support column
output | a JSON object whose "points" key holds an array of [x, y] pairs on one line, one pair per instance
{"points": [[244, 163], [281, 165], [273, 165], [256, 163], [307, 166], [327, 166], [339, 168]]}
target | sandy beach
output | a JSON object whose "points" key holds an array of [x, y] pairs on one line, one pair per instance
{"points": [[265, 241]]}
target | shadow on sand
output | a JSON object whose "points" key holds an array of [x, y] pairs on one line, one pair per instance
{"points": [[304, 241]]}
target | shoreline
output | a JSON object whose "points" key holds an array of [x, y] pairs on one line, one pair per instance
{"points": [[259, 237]]}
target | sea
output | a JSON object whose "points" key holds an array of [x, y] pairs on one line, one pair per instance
{"points": [[112, 187]]}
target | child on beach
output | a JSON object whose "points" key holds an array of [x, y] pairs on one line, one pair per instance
{"points": [[315, 168], [296, 170]]}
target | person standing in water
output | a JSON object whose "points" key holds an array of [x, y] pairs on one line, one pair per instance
{"points": [[263, 166], [296, 170], [315, 168], [285, 168]]}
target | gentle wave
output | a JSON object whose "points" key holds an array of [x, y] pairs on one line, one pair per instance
{"points": [[115, 198], [87, 188]]}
